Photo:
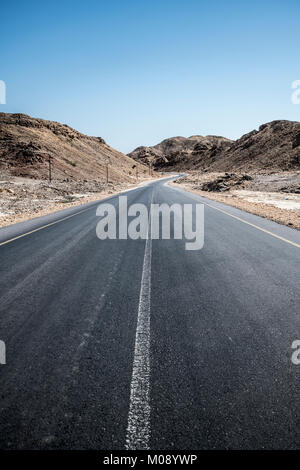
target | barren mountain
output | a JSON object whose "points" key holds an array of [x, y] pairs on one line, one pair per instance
{"points": [[27, 143], [179, 153], [274, 147]]}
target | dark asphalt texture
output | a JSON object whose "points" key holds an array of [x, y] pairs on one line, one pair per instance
{"points": [[223, 320]]}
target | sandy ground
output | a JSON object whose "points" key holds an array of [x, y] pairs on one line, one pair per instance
{"points": [[287, 201], [264, 195], [24, 198]]}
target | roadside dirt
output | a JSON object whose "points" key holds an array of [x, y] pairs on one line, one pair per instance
{"points": [[24, 198], [273, 196]]}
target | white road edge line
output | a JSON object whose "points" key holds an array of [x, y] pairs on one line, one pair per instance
{"points": [[138, 427]]}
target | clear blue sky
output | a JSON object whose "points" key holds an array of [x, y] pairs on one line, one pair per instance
{"points": [[136, 72]]}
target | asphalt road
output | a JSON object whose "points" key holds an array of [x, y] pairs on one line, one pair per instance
{"points": [[115, 343]]}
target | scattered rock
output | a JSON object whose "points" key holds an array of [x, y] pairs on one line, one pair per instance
{"points": [[226, 182]]}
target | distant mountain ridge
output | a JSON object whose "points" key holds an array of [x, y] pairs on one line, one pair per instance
{"points": [[274, 146], [26, 144], [180, 152]]}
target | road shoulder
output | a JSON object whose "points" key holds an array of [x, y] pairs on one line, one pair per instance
{"points": [[290, 218]]}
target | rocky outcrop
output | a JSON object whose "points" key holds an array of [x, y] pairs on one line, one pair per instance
{"points": [[296, 141]]}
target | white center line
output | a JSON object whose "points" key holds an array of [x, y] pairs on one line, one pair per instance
{"points": [[138, 428]]}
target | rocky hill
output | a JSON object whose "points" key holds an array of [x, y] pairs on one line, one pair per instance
{"points": [[275, 146], [178, 153], [26, 144]]}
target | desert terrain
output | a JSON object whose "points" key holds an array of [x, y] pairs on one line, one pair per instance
{"points": [[79, 167], [259, 173]]}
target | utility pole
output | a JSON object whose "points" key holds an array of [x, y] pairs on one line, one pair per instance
{"points": [[136, 171], [150, 168], [50, 169], [107, 164]]}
